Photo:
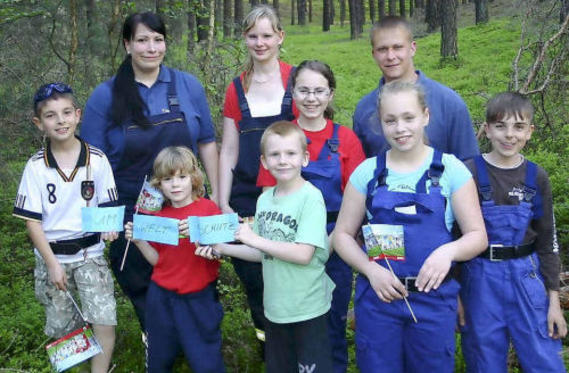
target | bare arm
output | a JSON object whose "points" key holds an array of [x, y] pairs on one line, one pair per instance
{"points": [[350, 218], [210, 158], [149, 253], [473, 241], [56, 273], [227, 161], [237, 251]]}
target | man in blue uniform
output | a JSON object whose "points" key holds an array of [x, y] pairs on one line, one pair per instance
{"points": [[450, 128]]}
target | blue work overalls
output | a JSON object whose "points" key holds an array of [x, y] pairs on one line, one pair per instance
{"points": [[142, 145], [505, 299], [244, 191], [387, 339], [326, 174]]}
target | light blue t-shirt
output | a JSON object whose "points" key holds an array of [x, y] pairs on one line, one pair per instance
{"points": [[453, 178]]}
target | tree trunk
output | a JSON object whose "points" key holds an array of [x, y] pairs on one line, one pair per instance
{"points": [[254, 3], [392, 7], [449, 44], [361, 14], [203, 20], [381, 9], [113, 41], [227, 20], [207, 67], [301, 11], [411, 8], [342, 12], [432, 15], [402, 8], [333, 11], [481, 10], [292, 11], [309, 11], [237, 17], [420, 4], [372, 11], [191, 29], [353, 19], [564, 11], [91, 22], [326, 15], [276, 6], [74, 41]]}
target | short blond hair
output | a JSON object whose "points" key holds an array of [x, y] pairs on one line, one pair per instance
{"points": [[178, 158], [283, 128]]}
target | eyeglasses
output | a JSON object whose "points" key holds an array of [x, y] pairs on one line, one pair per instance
{"points": [[319, 92], [46, 90]]}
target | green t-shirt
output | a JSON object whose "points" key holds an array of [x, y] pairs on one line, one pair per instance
{"points": [[295, 292]]}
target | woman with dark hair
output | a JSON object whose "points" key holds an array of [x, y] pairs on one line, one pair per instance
{"points": [[131, 117]]}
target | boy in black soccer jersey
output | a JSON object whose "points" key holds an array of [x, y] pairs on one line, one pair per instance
{"points": [[58, 181]]}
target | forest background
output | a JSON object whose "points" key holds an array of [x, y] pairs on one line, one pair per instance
{"points": [[478, 48]]}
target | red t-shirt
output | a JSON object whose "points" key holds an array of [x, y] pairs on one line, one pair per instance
{"points": [[231, 104], [178, 269], [350, 149]]}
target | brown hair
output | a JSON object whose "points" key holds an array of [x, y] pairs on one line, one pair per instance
{"points": [[398, 87], [390, 23], [178, 158], [507, 104], [283, 128], [322, 69], [258, 12]]}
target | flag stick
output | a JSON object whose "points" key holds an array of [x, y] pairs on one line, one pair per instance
{"points": [[135, 212]]}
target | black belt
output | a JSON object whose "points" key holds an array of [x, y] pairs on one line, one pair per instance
{"points": [[409, 282], [332, 216], [498, 252], [71, 247]]}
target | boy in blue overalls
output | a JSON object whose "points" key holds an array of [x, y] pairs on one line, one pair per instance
{"points": [[511, 291]]}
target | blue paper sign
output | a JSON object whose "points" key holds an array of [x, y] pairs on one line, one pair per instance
{"points": [[155, 229], [102, 219], [213, 229]]}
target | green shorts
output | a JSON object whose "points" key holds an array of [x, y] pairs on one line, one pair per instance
{"points": [[90, 279]]}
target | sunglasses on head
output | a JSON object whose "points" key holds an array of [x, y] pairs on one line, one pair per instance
{"points": [[46, 90]]}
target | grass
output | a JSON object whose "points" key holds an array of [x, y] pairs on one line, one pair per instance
{"points": [[483, 69]]}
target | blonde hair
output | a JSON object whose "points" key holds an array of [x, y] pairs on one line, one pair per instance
{"points": [[178, 158], [258, 12], [400, 86], [283, 128]]}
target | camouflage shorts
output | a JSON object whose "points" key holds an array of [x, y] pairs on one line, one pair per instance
{"points": [[90, 279]]}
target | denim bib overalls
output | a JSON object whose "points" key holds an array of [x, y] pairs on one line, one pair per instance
{"points": [[244, 191], [325, 173], [387, 339], [142, 145], [503, 292]]}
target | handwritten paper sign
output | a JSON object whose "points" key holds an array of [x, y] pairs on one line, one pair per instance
{"points": [[102, 219], [213, 229], [155, 229]]}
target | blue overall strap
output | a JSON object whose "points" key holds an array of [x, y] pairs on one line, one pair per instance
{"points": [[434, 173], [484, 187], [243, 106], [378, 179], [333, 144], [530, 183], [173, 102], [286, 106]]}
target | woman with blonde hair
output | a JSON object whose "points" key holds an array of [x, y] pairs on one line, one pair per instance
{"points": [[260, 96]]}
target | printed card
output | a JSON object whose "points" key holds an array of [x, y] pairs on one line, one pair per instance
{"points": [[102, 219], [155, 229], [150, 199], [73, 348], [208, 230], [384, 241]]}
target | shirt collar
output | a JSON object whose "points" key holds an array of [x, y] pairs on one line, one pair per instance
{"points": [[420, 77], [82, 161]]}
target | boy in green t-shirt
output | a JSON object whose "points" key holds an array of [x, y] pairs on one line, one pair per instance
{"points": [[289, 238]]}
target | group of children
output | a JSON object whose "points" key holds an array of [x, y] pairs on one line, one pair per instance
{"points": [[319, 192]]}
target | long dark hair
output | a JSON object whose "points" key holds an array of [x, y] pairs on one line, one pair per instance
{"points": [[322, 69], [127, 103]]}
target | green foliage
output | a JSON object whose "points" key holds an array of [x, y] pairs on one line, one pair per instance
{"points": [[484, 68]]}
